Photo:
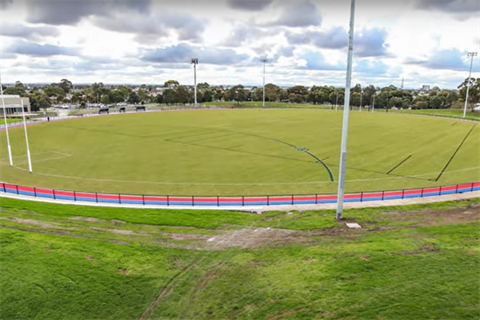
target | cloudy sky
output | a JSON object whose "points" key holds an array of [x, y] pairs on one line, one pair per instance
{"points": [[152, 41]]}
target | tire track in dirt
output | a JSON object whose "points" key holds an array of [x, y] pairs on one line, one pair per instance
{"points": [[166, 289]]}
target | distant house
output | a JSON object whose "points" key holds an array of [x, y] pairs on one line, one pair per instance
{"points": [[12, 104]]}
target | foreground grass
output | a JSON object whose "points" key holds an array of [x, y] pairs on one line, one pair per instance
{"points": [[71, 262]]}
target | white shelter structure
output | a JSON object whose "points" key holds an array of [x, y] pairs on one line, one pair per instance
{"points": [[13, 105]]}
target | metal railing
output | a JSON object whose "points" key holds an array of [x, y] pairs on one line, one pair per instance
{"points": [[239, 201]]}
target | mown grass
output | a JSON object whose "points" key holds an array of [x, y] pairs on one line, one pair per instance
{"points": [[242, 152], [423, 264]]}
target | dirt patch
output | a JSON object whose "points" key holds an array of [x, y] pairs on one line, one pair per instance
{"points": [[86, 219], [34, 223], [48, 249], [429, 217], [117, 222], [426, 247], [251, 238], [89, 257], [309, 259], [281, 314], [122, 271], [117, 231], [186, 236]]}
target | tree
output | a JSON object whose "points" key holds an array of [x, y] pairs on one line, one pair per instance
{"points": [[452, 97], [207, 96], [105, 99], [182, 95], [437, 102], [171, 84], [133, 98], [297, 94], [159, 98], [169, 96], [66, 85], [20, 91], [474, 91], [44, 104], [237, 93]]}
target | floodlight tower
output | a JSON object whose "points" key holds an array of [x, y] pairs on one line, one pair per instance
{"points": [[264, 60], [346, 109], [195, 62], [470, 54]]}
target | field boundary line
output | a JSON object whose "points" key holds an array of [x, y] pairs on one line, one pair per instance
{"points": [[455, 153]]}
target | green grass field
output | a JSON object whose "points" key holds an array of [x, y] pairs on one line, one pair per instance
{"points": [[243, 152], [73, 262]]}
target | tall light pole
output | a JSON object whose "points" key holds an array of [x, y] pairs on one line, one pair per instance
{"points": [[264, 60], [336, 102], [373, 105], [9, 148], [361, 99], [346, 109], [470, 54], [195, 62]]}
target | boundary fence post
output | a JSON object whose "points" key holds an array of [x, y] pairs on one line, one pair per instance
{"points": [[361, 196], [292, 199], [54, 195], [193, 201], [74, 195], [456, 189], [16, 186], [4, 189], [143, 199], [119, 199], [96, 197], [268, 200], [168, 201], [35, 191], [471, 189], [403, 194], [218, 201], [383, 195], [421, 196], [243, 201], [440, 192]]}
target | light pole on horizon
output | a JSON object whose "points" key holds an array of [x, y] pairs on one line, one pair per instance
{"points": [[361, 99], [373, 104], [195, 62], [346, 109], [470, 54], [264, 60], [336, 102]]}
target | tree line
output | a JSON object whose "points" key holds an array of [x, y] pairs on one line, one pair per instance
{"points": [[172, 92]]}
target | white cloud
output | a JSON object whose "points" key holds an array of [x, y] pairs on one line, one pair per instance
{"points": [[423, 41]]}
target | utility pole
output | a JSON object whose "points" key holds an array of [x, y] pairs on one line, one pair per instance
{"points": [[470, 54], [343, 151]]}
